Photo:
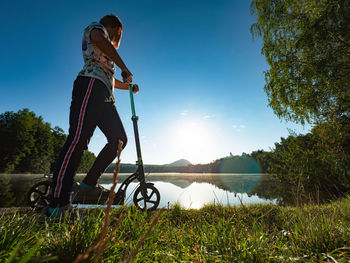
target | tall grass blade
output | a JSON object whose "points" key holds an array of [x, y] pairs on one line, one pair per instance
{"points": [[30, 253], [139, 244]]}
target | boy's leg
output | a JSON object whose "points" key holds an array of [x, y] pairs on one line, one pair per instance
{"points": [[112, 127], [82, 125]]}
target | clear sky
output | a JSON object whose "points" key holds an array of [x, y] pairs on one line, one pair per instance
{"points": [[199, 71]]}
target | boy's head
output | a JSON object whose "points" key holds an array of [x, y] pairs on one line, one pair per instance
{"points": [[114, 28]]}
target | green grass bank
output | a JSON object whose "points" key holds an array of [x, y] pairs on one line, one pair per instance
{"points": [[254, 233]]}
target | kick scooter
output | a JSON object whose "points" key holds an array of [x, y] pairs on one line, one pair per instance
{"points": [[146, 195]]}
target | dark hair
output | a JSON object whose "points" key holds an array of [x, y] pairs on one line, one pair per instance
{"points": [[111, 21]]}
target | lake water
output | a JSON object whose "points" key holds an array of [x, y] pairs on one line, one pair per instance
{"points": [[197, 190], [188, 190]]}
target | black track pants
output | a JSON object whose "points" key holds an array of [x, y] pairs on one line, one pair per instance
{"points": [[91, 107]]}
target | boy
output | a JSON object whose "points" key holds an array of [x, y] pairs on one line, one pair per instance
{"points": [[92, 106]]}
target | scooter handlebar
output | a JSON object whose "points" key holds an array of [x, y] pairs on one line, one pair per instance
{"points": [[125, 75]]}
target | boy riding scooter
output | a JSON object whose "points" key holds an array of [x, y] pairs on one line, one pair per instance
{"points": [[92, 106]]}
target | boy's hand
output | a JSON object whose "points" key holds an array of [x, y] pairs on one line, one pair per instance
{"points": [[135, 88], [127, 76]]}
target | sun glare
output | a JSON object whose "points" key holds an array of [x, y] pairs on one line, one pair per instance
{"points": [[193, 141]]}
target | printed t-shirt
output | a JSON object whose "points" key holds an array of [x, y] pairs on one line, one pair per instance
{"points": [[97, 64]]}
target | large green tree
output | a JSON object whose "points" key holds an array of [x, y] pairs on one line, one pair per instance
{"points": [[311, 167], [307, 46], [30, 145], [26, 143]]}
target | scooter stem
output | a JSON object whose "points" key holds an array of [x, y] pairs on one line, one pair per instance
{"points": [[134, 119], [140, 169]]}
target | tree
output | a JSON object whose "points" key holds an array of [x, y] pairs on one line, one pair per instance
{"points": [[39, 158], [86, 162], [26, 143], [333, 144], [30, 145], [307, 46], [263, 159], [314, 166], [59, 138]]}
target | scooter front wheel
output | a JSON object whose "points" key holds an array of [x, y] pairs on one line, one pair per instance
{"points": [[151, 199]]}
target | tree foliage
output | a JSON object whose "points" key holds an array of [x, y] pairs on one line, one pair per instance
{"points": [[58, 141], [262, 158], [26, 143], [307, 46], [86, 162], [30, 145], [311, 167]]}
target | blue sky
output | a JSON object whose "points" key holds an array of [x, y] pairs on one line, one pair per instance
{"points": [[199, 71]]}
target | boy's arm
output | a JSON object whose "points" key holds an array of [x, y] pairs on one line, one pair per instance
{"points": [[98, 38], [124, 86]]}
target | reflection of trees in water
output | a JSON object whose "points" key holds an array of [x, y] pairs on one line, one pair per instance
{"points": [[267, 188], [235, 183], [285, 193], [6, 194], [261, 185], [14, 189], [240, 183]]}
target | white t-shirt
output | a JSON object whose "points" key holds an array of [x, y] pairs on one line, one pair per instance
{"points": [[96, 63]]}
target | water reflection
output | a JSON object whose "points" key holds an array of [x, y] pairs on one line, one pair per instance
{"points": [[189, 190], [195, 191]]}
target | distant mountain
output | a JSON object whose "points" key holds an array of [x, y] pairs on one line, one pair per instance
{"points": [[230, 164], [181, 162]]}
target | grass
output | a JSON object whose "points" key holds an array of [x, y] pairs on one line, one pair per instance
{"points": [[254, 233]]}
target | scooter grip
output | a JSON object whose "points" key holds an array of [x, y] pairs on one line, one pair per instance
{"points": [[133, 87]]}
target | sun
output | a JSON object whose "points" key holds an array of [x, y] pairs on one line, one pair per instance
{"points": [[193, 140]]}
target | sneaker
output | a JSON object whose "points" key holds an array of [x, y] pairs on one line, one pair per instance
{"points": [[52, 214], [88, 194]]}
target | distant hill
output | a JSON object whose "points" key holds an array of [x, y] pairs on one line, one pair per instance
{"points": [[177, 166], [230, 164], [181, 162]]}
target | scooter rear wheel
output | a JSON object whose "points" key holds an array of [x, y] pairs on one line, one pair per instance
{"points": [[150, 202], [38, 196]]}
